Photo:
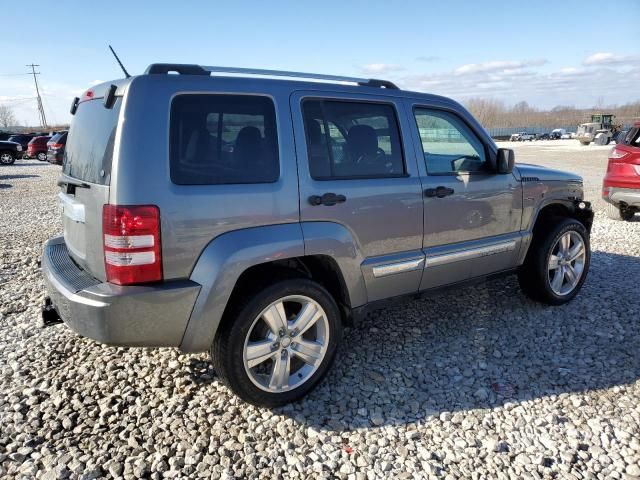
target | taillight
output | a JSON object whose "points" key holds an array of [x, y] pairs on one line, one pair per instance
{"points": [[56, 145], [131, 238], [616, 153]]}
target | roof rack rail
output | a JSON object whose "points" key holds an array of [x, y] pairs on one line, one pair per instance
{"points": [[184, 69]]}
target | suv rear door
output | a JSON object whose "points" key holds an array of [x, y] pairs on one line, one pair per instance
{"points": [[85, 180], [351, 146]]}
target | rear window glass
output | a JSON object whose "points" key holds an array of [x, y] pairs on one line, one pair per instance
{"points": [[632, 137], [223, 139], [89, 147], [59, 138]]}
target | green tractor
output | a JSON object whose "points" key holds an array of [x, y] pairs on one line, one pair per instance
{"points": [[601, 130]]}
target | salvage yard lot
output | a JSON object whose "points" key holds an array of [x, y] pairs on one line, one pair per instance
{"points": [[475, 383]]}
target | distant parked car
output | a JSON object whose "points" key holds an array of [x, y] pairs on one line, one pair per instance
{"points": [[522, 136], [557, 133], [23, 139], [543, 136], [55, 148], [5, 135], [37, 148], [567, 135], [9, 151], [621, 185]]}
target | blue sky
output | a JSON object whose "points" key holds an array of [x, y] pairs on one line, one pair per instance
{"points": [[546, 53]]}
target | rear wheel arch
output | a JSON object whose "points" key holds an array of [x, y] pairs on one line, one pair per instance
{"points": [[320, 268]]}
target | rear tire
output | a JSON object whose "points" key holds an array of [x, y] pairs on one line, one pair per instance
{"points": [[549, 274], [7, 157], [42, 156], [618, 213], [305, 352]]}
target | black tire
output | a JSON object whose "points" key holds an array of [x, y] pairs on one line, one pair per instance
{"points": [[616, 213], [42, 156], [533, 276], [227, 351], [7, 157]]}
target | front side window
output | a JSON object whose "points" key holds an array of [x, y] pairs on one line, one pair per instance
{"points": [[352, 140], [223, 139], [448, 144]]}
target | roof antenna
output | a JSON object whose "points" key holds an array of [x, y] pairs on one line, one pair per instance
{"points": [[126, 74]]}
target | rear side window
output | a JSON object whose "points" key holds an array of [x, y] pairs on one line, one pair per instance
{"points": [[89, 147], [352, 140], [223, 139]]}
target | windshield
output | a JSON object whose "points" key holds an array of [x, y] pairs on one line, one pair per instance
{"points": [[89, 147]]}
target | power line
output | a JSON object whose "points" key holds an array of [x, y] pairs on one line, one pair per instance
{"points": [[43, 118]]}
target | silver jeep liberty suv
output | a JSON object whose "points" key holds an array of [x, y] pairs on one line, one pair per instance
{"points": [[254, 213]]}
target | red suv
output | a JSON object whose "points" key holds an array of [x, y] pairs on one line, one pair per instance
{"points": [[37, 148], [621, 186]]}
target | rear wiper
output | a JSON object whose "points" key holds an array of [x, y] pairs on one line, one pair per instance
{"points": [[75, 183]]}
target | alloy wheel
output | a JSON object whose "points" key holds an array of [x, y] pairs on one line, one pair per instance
{"points": [[566, 263], [286, 344]]}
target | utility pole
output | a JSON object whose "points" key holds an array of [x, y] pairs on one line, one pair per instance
{"points": [[43, 118]]}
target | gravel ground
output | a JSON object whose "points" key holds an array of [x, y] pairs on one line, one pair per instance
{"points": [[481, 383]]}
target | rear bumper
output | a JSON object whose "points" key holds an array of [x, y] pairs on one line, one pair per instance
{"points": [[627, 196], [136, 316], [54, 157]]}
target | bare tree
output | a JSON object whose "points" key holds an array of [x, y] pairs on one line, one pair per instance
{"points": [[7, 118]]}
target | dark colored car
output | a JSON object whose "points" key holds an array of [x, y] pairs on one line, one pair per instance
{"points": [[621, 185], [55, 148], [6, 135], [9, 151], [37, 148], [23, 139], [544, 136]]}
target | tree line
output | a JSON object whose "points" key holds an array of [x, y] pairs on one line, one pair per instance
{"points": [[493, 113]]}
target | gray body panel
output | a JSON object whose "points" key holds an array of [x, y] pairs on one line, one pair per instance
{"points": [[387, 239], [134, 316]]}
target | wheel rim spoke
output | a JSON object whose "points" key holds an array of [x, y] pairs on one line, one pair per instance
{"points": [[565, 240], [309, 352], [576, 251], [259, 352], [280, 373], [556, 283], [571, 275], [308, 316], [276, 318], [554, 262]]}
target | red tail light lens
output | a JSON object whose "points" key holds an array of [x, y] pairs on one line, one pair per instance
{"points": [[616, 153], [131, 236], [56, 145]]}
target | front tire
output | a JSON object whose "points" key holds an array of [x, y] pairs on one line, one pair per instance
{"points": [[557, 263], [276, 346], [7, 158]]}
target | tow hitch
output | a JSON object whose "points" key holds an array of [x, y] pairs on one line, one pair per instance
{"points": [[49, 314]]}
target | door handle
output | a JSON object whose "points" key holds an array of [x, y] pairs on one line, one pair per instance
{"points": [[328, 199], [439, 192]]}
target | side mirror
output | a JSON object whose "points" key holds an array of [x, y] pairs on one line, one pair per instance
{"points": [[505, 160]]}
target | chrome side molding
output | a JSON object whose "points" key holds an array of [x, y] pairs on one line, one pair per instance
{"points": [[442, 259], [398, 267]]}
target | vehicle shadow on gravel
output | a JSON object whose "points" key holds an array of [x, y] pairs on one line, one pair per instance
{"points": [[15, 177], [479, 348]]}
